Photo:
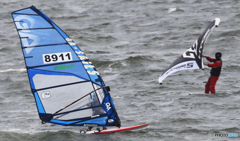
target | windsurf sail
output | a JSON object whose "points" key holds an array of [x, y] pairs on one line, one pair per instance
{"points": [[67, 88], [192, 58]]}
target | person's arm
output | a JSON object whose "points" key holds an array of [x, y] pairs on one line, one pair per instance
{"points": [[215, 65], [205, 56], [210, 59]]}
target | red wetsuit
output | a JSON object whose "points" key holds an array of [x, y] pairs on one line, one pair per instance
{"points": [[215, 73]]}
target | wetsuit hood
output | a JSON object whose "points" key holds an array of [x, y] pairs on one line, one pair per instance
{"points": [[218, 55]]}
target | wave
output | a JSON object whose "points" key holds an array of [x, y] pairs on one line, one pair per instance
{"points": [[230, 33]]}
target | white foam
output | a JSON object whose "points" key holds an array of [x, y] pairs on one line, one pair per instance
{"points": [[170, 10], [13, 70]]}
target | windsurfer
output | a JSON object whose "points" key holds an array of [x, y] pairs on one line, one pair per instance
{"points": [[97, 110], [215, 72]]}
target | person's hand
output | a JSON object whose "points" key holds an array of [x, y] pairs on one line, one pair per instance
{"points": [[203, 56], [205, 63]]}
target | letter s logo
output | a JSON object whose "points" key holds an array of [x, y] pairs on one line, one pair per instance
{"points": [[189, 65]]}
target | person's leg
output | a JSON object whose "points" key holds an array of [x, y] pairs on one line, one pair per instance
{"points": [[212, 84], [207, 85], [89, 128]]}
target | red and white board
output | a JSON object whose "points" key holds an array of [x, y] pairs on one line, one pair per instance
{"points": [[117, 129]]}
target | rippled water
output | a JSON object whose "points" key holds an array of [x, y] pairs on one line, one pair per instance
{"points": [[131, 42]]}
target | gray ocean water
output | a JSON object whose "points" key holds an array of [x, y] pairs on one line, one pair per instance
{"points": [[131, 42]]}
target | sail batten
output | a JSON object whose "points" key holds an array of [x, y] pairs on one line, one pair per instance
{"points": [[34, 28], [32, 67], [35, 90], [67, 88], [43, 45], [192, 58]]}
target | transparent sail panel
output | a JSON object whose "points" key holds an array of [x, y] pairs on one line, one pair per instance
{"points": [[57, 98], [62, 96], [44, 81], [99, 93], [75, 115]]}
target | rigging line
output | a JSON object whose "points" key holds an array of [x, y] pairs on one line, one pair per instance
{"points": [[51, 116], [205, 72], [76, 110]]}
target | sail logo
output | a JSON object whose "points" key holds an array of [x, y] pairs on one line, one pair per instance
{"points": [[181, 66], [110, 120], [108, 105], [64, 67], [189, 65], [57, 57], [190, 52], [202, 43], [26, 22], [87, 64], [46, 95], [27, 37]]}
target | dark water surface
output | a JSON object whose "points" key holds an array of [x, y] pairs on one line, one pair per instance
{"points": [[131, 42]]}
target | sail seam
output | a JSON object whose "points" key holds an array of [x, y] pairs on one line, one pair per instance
{"points": [[25, 14], [35, 90], [32, 67], [43, 45], [34, 28]]}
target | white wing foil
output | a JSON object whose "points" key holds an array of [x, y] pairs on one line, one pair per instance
{"points": [[192, 58]]}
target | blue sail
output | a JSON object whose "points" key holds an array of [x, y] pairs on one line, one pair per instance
{"points": [[67, 88]]}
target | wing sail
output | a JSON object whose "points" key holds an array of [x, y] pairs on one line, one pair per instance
{"points": [[67, 88], [192, 58]]}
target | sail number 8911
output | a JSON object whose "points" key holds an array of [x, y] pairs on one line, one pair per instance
{"points": [[57, 57]]}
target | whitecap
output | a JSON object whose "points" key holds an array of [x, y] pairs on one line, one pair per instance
{"points": [[172, 9], [13, 70]]}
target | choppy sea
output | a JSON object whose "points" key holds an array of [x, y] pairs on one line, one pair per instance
{"points": [[131, 42]]}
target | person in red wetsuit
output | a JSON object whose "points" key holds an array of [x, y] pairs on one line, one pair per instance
{"points": [[215, 72]]}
